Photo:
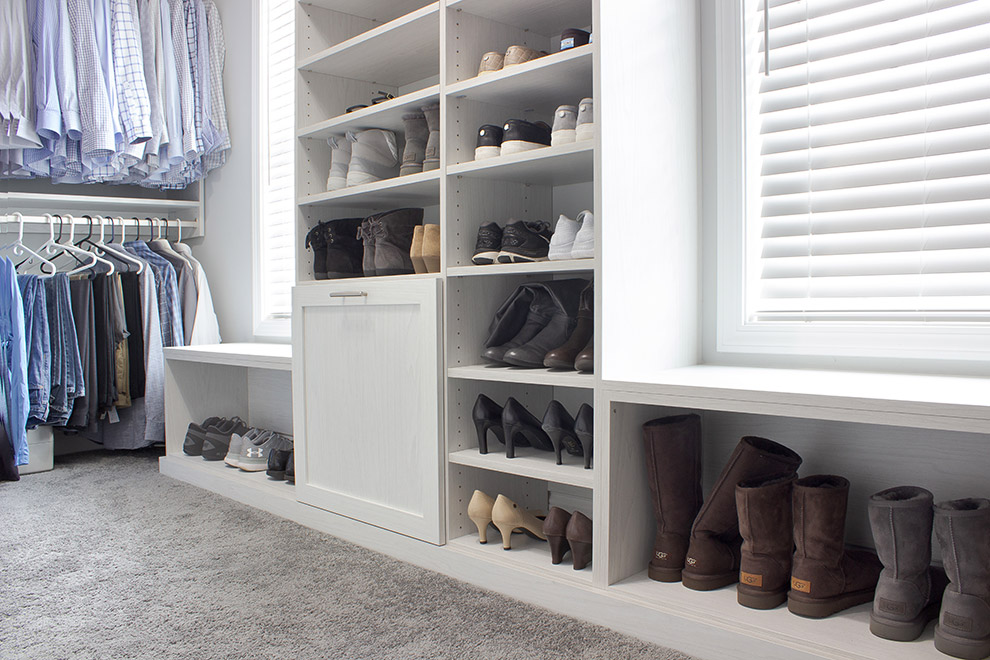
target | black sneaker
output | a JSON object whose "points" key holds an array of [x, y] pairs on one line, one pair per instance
{"points": [[520, 135], [489, 142], [278, 458], [489, 244], [196, 434], [217, 441], [525, 241]]}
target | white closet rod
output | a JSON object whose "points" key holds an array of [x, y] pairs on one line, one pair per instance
{"points": [[38, 224]]}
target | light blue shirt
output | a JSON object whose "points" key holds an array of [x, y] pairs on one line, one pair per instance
{"points": [[65, 74], [13, 361], [102, 17], [44, 33]]}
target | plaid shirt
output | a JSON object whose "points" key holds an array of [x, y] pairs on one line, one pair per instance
{"points": [[218, 104], [168, 293], [128, 67], [97, 128], [190, 133]]}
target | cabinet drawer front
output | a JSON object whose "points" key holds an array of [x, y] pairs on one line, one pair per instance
{"points": [[366, 364]]}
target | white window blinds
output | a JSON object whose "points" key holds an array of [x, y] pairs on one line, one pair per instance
{"points": [[869, 160], [277, 230]]}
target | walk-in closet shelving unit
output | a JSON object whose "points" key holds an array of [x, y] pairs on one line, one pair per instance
{"points": [[536, 185], [348, 52]]}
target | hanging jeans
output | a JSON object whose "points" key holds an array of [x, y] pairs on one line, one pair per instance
{"points": [[38, 347]]}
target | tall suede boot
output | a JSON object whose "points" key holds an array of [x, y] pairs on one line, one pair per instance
{"points": [[673, 467], [910, 589], [393, 239], [826, 577], [713, 555], [414, 151], [963, 531], [767, 530], [432, 157]]}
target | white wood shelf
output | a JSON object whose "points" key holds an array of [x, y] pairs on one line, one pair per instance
{"points": [[397, 53], [505, 374], [560, 78], [529, 462], [387, 115], [256, 355], [421, 189], [548, 166], [378, 278], [549, 17], [843, 635], [536, 268], [220, 477], [376, 10], [934, 402], [527, 554]]}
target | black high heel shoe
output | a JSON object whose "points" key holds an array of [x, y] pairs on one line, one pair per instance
{"points": [[584, 429], [559, 426], [487, 416], [522, 429]]}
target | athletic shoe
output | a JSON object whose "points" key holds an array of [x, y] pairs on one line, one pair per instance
{"points": [[237, 442], [488, 245], [562, 241], [489, 143], [520, 135], [218, 438], [585, 129], [254, 455], [196, 434], [584, 241], [524, 242]]}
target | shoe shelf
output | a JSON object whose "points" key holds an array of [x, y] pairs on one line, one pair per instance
{"points": [[400, 52], [527, 554], [374, 10], [386, 115], [523, 376], [545, 17], [549, 166], [375, 278], [535, 268], [529, 462], [843, 635], [421, 189], [219, 477], [564, 77]]}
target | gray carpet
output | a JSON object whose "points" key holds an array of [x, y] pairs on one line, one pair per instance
{"points": [[105, 558]]}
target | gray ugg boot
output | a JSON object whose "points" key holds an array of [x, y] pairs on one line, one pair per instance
{"points": [[374, 155], [432, 160], [417, 133], [393, 238], [910, 590], [366, 233], [340, 161], [963, 531]]}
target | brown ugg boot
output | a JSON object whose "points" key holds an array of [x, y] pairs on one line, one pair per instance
{"points": [[826, 577], [767, 530], [673, 465], [713, 556]]}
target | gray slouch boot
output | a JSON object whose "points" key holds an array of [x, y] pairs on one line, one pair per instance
{"points": [[910, 589], [963, 531], [432, 159], [414, 152], [393, 238], [374, 155], [340, 161]]}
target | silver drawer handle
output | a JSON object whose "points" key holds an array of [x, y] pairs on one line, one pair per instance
{"points": [[348, 294]]}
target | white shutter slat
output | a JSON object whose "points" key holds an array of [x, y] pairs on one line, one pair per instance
{"points": [[873, 139]]}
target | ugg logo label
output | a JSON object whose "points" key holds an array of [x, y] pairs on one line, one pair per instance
{"points": [[691, 561], [661, 555], [803, 586], [751, 579], [892, 606], [963, 623]]}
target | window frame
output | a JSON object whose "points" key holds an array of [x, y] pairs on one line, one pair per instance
{"points": [[266, 325], [732, 338]]}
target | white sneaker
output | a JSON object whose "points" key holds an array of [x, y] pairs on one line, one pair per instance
{"points": [[562, 241], [584, 241]]}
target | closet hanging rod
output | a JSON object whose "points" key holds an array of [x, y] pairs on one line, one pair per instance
{"points": [[35, 223]]}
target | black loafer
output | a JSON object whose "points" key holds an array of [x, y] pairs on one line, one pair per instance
{"points": [[278, 458]]}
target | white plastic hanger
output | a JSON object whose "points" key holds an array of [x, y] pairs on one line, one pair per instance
{"points": [[121, 254], [53, 248], [19, 249]]}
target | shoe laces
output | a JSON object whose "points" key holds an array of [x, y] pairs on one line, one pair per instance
{"points": [[537, 227]]}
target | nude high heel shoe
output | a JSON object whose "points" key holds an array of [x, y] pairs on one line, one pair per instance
{"points": [[480, 513], [508, 516]]}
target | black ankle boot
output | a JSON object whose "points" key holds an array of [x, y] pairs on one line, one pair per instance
{"points": [[343, 250], [316, 241]]}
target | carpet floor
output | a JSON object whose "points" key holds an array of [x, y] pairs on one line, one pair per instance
{"points": [[105, 558]]}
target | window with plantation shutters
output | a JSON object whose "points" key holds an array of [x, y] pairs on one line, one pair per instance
{"points": [[867, 147], [277, 218]]}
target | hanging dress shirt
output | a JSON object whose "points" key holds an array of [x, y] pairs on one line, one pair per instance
{"points": [[98, 142], [13, 362], [206, 327]]}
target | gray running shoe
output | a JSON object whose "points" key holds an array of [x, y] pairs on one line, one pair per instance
{"points": [[237, 442], [254, 456]]}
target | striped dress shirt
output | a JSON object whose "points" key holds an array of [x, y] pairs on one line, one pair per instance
{"points": [[128, 66], [97, 140], [218, 103]]}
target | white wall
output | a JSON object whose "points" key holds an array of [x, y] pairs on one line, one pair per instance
{"points": [[226, 250], [648, 117]]}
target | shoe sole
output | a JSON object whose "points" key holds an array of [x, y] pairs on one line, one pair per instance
{"points": [[513, 258], [819, 608], [664, 574], [583, 253], [277, 475], [584, 132], [563, 136], [485, 258], [481, 153], [903, 631], [360, 179], [561, 254], [708, 582], [336, 183], [254, 467], [960, 647], [406, 170], [519, 146], [760, 600]]}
